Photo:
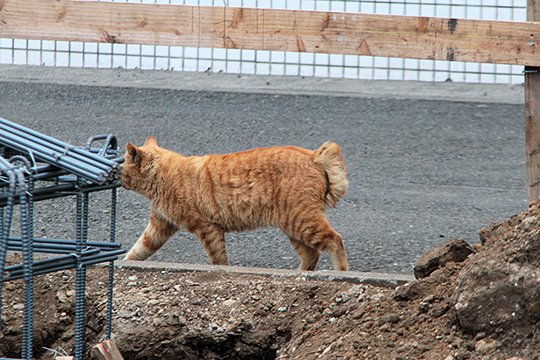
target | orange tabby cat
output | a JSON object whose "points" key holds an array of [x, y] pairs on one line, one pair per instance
{"points": [[286, 187]]}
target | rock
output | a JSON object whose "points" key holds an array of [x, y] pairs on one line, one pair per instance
{"points": [[480, 336], [18, 307], [462, 355], [454, 250], [215, 328], [61, 296], [406, 292], [483, 346], [439, 310], [229, 303], [423, 307], [492, 293], [390, 319]]}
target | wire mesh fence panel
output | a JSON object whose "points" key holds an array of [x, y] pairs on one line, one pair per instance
{"points": [[180, 58]]}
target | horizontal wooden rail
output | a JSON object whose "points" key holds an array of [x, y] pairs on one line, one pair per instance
{"points": [[499, 42]]}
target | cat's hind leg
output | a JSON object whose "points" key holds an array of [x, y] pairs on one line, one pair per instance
{"points": [[158, 231], [312, 228], [309, 257], [336, 249], [212, 239]]}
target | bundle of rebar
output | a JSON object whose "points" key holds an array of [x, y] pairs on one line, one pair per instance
{"points": [[75, 160]]}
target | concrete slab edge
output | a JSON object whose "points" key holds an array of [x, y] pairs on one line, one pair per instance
{"points": [[261, 84], [376, 279]]}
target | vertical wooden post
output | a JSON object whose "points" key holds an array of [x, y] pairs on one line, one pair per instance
{"points": [[532, 114]]}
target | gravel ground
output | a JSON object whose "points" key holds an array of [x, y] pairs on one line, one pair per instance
{"points": [[420, 171]]}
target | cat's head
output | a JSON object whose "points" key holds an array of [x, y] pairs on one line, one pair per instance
{"points": [[138, 164]]}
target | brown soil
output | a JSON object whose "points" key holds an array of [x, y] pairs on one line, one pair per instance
{"points": [[166, 315]]}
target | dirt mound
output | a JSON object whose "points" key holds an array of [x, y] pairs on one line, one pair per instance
{"points": [[497, 293], [485, 307]]}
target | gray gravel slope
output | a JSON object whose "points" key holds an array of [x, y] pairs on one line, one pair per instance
{"points": [[420, 171]]}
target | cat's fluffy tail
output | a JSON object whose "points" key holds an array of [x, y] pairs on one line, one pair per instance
{"points": [[329, 156]]}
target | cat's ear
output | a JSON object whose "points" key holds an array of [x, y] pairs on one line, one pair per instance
{"points": [[151, 141], [133, 152]]}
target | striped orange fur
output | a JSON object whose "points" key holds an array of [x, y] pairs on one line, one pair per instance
{"points": [[286, 187]]}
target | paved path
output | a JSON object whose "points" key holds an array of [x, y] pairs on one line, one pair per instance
{"points": [[426, 162]]}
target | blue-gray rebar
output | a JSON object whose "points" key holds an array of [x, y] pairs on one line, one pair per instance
{"points": [[15, 243], [99, 244], [9, 171], [51, 248], [108, 324], [79, 279], [27, 335], [16, 269], [62, 190], [65, 244], [101, 258], [109, 146], [88, 257]]}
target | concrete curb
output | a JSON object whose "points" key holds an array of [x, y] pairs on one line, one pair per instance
{"points": [[376, 279], [260, 84]]}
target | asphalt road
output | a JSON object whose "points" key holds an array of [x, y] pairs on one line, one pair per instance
{"points": [[420, 171]]}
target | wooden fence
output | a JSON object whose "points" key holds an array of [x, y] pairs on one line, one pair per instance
{"points": [[498, 42]]}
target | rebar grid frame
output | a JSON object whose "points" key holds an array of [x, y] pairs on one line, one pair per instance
{"points": [[72, 172]]}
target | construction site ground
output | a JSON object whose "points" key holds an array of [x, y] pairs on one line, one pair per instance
{"points": [[485, 307]]}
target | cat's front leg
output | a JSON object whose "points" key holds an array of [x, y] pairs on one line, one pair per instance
{"points": [[212, 239], [158, 231]]}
